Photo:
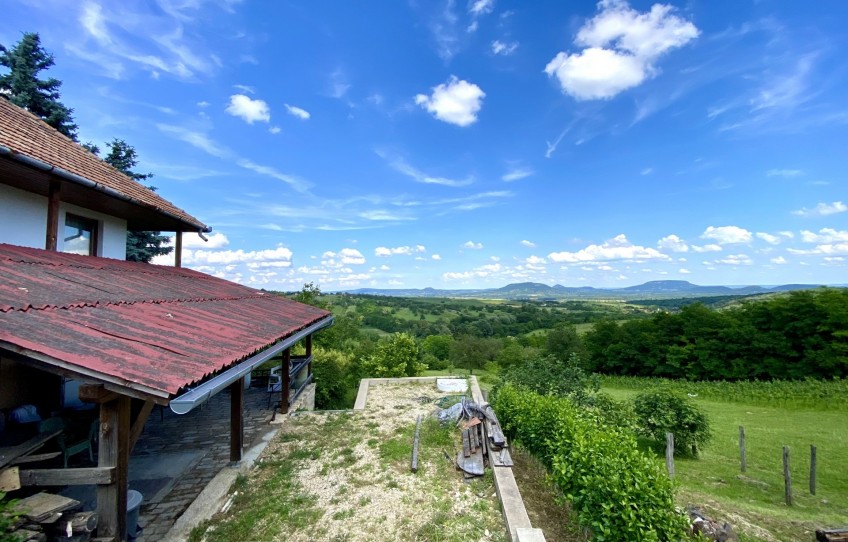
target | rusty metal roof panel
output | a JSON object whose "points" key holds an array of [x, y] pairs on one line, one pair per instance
{"points": [[160, 328]]}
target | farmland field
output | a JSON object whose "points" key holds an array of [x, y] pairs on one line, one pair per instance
{"points": [[753, 502]]}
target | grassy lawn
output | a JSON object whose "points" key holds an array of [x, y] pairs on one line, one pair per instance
{"points": [[346, 477], [756, 498]]}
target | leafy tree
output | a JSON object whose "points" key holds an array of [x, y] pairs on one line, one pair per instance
{"points": [[23, 87], [547, 375], [564, 341], [661, 411], [438, 345], [332, 369], [394, 356], [473, 352], [142, 246], [311, 295]]}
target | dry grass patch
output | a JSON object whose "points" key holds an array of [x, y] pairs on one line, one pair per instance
{"points": [[346, 477]]}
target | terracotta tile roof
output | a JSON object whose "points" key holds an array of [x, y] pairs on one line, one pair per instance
{"points": [[27, 135], [150, 328]]}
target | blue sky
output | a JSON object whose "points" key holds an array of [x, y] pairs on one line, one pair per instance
{"points": [[464, 144]]}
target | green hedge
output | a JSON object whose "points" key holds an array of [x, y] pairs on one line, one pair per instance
{"points": [[618, 492]]}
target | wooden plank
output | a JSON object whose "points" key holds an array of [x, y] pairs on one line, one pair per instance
{"points": [[236, 419], [34, 458], [472, 464], [812, 469], [42, 506], [832, 535], [10, 479], [466, 445], [96, 393], [414, 464], [68, 477], [10, 453], [114, 452], [140, 420], [787, 477], [669, 454]]}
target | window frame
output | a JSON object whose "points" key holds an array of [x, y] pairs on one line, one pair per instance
{"points": [[87, 224]]}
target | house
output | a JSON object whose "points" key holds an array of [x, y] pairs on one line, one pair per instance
{"points": [[131, 335]]}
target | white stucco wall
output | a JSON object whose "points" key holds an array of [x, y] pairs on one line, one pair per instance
{"points": [[23, 222]]}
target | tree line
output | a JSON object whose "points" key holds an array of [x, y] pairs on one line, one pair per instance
{"points": [[799, 335], [23, 87]]}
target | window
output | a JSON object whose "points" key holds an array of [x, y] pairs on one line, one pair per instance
{"points": [[80, 235]]}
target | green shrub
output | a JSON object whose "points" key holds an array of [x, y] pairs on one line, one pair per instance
{"points": [[333, 382], [660, 411], [617, 413], [547, 375], [618, 492], [7, 519], [394, 356]]}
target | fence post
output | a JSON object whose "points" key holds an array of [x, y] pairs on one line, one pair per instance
{"points": [[812, 469], [743, 458], [669, 454], [787, 476]]}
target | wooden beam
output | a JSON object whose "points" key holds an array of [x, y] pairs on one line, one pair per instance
{"points": [[53, 199], [178, 249], [236, 419], [96, 393], [10, 479], [308, 344], [114, 453], [138, 425], [286, 385], [68, 477]]}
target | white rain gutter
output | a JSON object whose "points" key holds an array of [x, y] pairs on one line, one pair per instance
{"points": [[199, 395]]}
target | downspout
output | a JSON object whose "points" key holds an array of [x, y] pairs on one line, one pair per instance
{"points": [[187, 401], [76, 179]]}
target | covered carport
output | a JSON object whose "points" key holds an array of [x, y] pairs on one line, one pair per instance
{"points": [[136, 336]]}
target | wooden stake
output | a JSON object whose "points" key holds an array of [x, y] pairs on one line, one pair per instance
{"points": [[743, 458], [53, 199], [787, 476], [669, 454], [114, 453], [285, 372], [812, 469], [414, 465]]}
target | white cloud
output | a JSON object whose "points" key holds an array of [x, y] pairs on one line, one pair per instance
{"points": [[672, 243], [769, 238], [516, 174], [724, 235], [404, 250], [784, 173], [732, 259], [617, 248], [683, 271], [215, 240], [203, 104], [436, 257], [346, 256], [281, 255], [292, 180], [481, 7], [502, 48], [456, 102], [295, 111], [827, 249], [621, 49], [822, 209], [195, 139], [825, 236], [780, 260], [245, 89], [472, 245], [528, 244], [248, 110], [274, 130], [417, 175], [706, 248]]}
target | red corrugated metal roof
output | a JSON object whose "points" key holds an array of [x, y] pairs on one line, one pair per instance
{"points": [[26, 134], [154, 327]]}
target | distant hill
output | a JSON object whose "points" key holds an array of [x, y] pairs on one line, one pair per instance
{"points": [[658, 289]]}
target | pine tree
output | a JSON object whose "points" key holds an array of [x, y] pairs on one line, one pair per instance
{"points": [[24, 89], [142, 246]]}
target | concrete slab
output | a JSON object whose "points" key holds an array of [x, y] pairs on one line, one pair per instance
{"points": [[524, 534]]}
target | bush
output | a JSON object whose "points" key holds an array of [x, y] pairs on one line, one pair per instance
{"points": [[660, 411], [333, 381], [618, 492], [547, 375], [617, 413], [394, 356], [7, 519]]}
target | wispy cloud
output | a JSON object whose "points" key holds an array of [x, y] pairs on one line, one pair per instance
{"points": [[784, 173], [504, 48], [822, 209], [295, 182], [402, 166], [295, 111], [195, 139], [517, 173]]}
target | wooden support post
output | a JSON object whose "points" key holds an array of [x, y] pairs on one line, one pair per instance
{"points": [[308, 344], [286, 385], [743, 457], [178, 249], [669, 454], [414, 465], [236, 419], [138, 424], [787, 476], [812, 469], [114, 453], [54, 196]]}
